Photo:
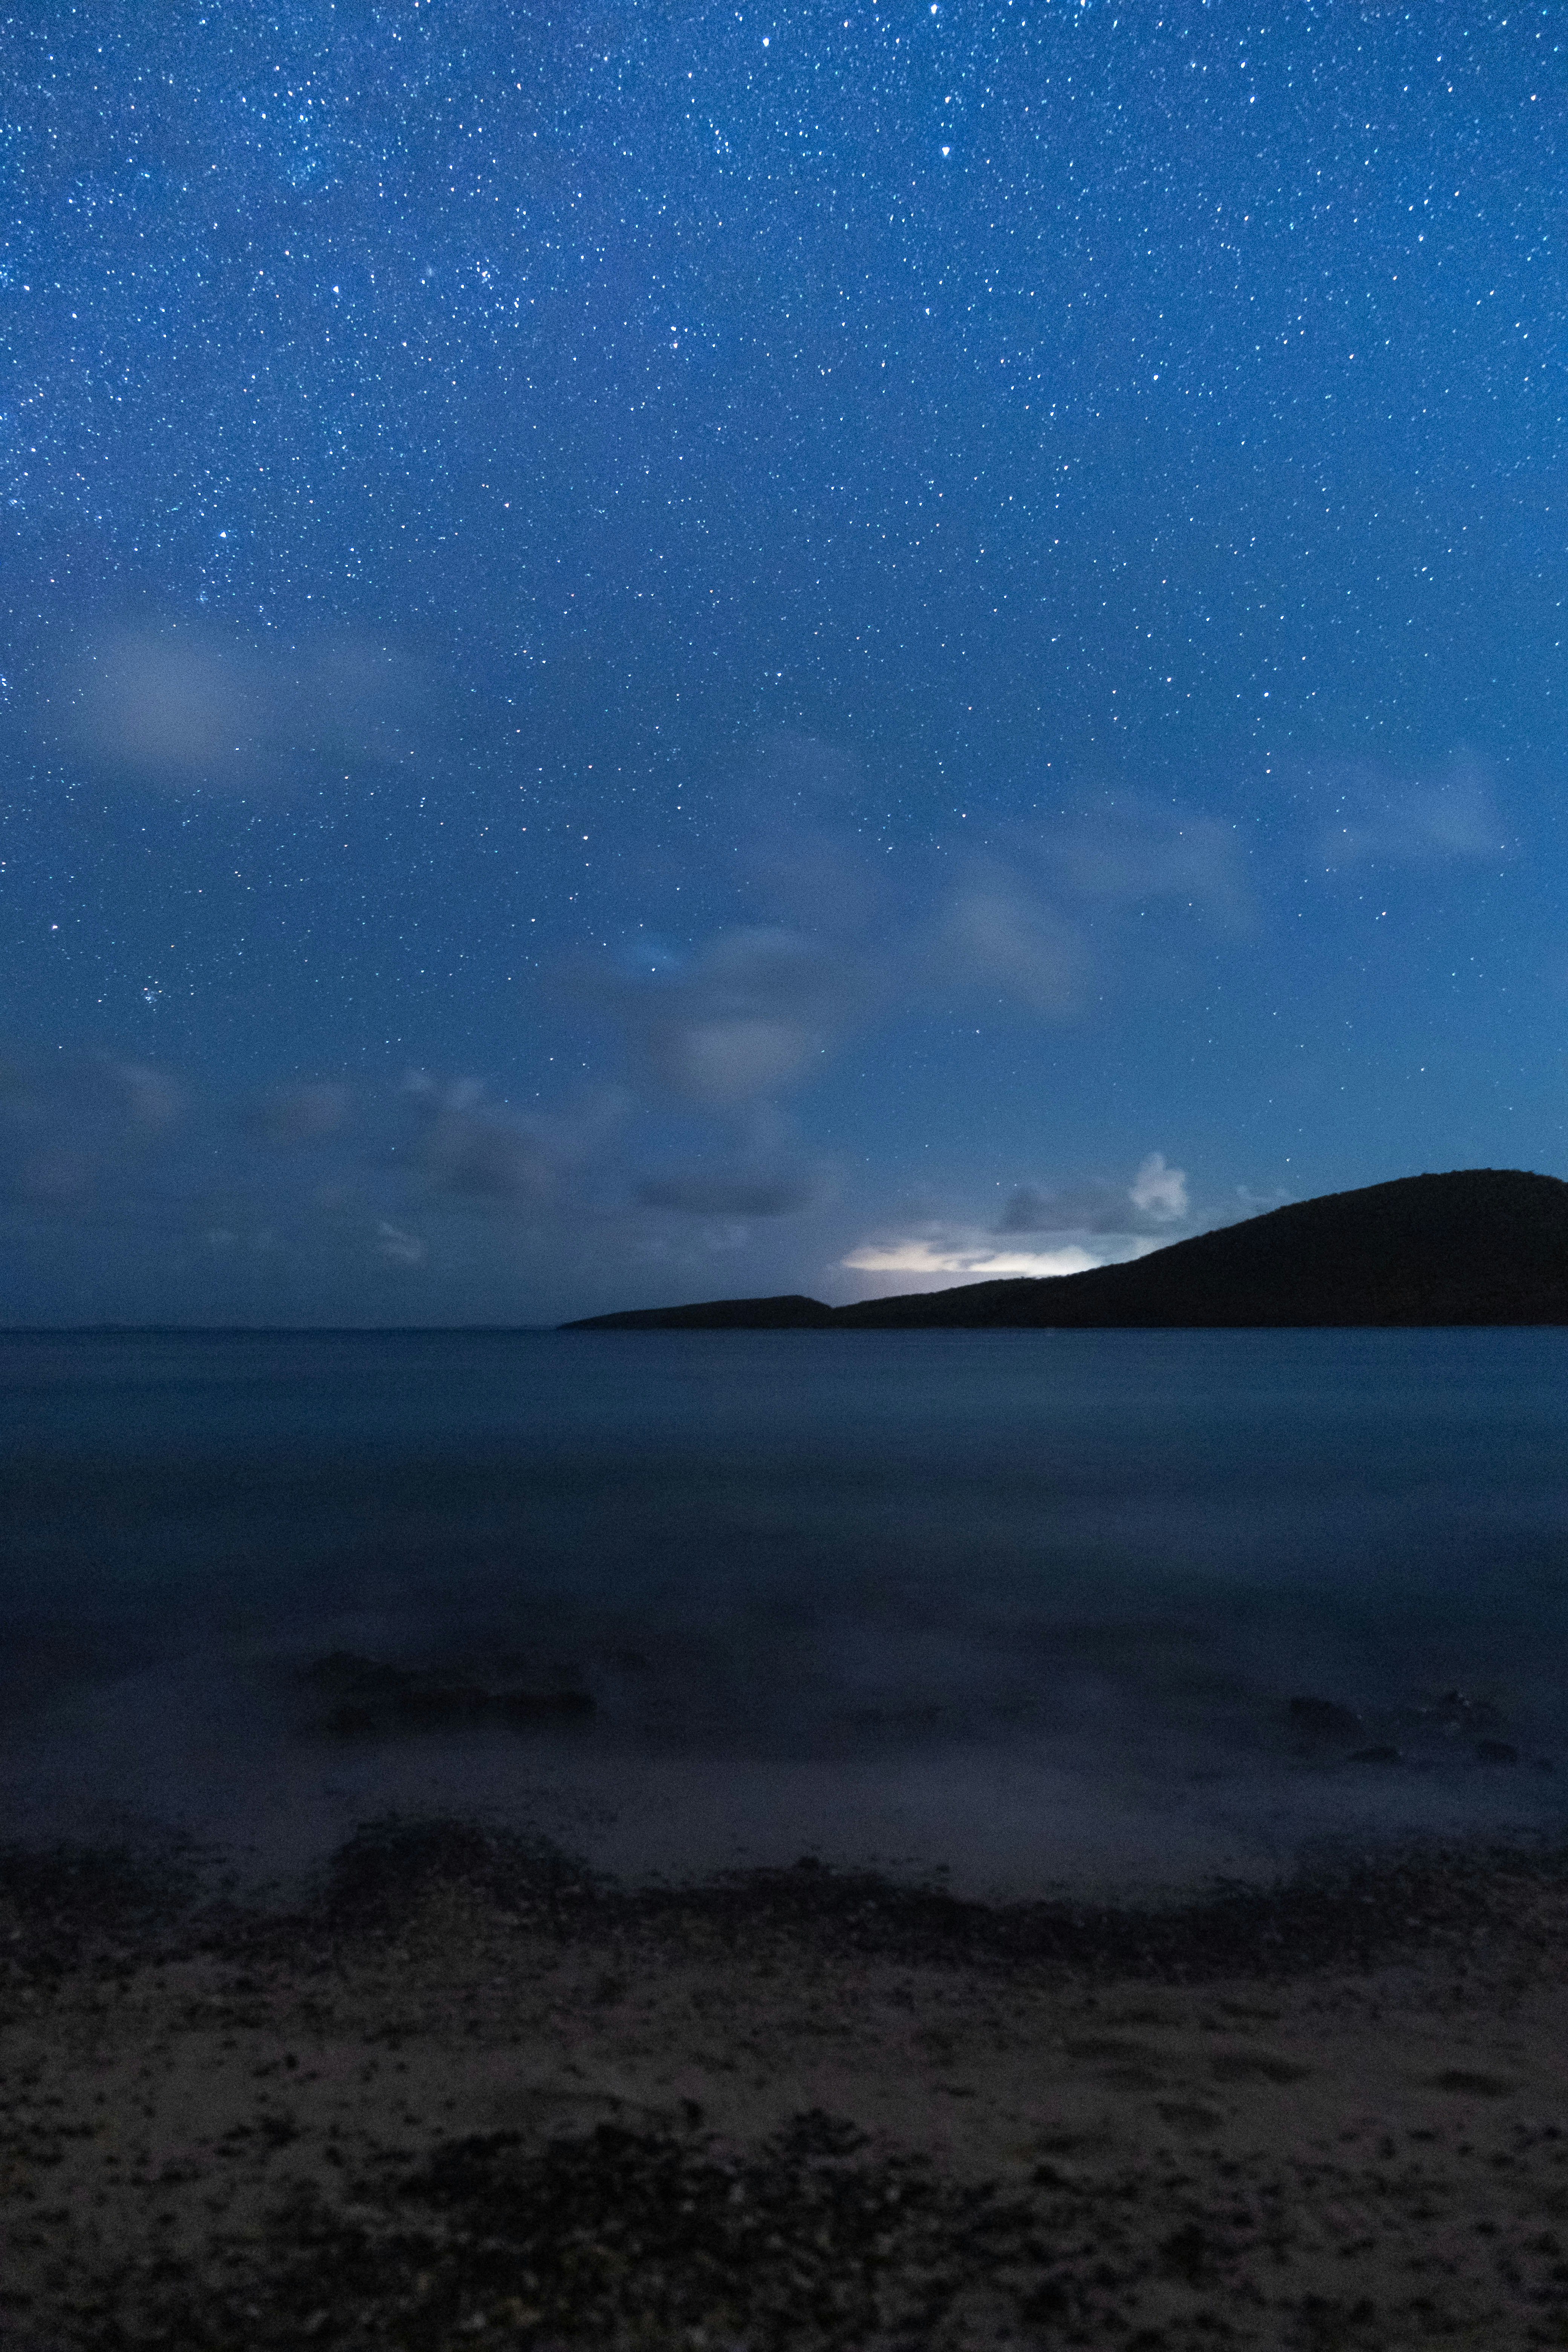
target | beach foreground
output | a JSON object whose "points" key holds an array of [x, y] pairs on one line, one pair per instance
{"points": [[466, 2094]]}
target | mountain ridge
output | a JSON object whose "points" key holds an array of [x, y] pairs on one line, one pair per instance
{"points": [[1475, 1245]]}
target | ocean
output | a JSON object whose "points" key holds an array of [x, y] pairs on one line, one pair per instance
{"points": [[1023, 1610]]}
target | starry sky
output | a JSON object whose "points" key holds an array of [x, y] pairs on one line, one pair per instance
{"points": [[656, 650]]}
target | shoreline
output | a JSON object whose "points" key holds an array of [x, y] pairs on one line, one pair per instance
{"points": [[250, 1760], [469, 2091]]}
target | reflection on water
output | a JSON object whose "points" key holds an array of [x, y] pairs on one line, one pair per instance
{"points": [[1025, 1603]]}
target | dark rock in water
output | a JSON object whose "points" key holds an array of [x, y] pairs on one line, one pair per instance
{"points": [[1379, 1753], [375, 1700], [1496, 1751], [1457, 1711], [1323, 1718]]}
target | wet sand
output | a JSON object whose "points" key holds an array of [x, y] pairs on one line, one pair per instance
{"points": [[465, 2093]]}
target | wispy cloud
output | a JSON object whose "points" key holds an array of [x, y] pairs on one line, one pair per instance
{"points": [[180, 708], [1451, 818], [469, 1150], [1044, 920], [1155, 1201], [399, 1246], [751, 1014], [719, 1192], [1136, 850], [77, 1134], [300, 1114], [999, 933]]}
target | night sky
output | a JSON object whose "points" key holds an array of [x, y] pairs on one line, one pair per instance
{"points": [[656, 650]]}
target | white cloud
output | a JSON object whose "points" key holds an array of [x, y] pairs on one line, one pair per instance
{"points": [[401, 1248], [1088, 1224], [1159, 1191], [978, 1261]]}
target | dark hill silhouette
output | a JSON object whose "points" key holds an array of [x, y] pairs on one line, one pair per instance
{"points": [[792, 1312], [1482, 1246]]}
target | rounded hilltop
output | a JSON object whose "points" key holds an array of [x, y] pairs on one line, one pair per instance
{"points": [[1476, 1246]]}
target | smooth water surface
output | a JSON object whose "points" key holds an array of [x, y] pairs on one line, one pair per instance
{"points": [[1029, 1605]]}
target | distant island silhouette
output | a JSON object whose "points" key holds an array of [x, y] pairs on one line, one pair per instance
{"points": [[1479, 1245]]}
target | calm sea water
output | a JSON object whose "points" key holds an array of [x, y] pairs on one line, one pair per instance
{"points": [[1028, 1606]]}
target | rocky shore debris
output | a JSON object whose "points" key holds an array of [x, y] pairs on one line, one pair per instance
{"points": [[1339, 1914], [396, 2148], [631, 2238], [372, 1698], [63, 1905]]}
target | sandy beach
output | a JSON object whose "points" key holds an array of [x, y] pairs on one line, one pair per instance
{"points": [[464, 2094]]}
